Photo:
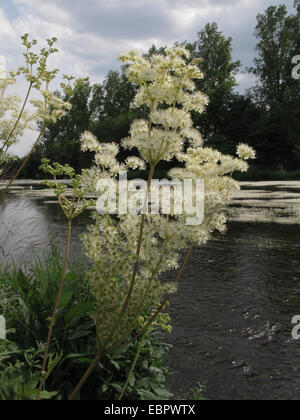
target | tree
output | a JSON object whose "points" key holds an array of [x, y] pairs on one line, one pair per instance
{"points": [[60, 141], [111, 107], [215, 50], [276, 93], [105, 109], [278, 42], [218, 83]]}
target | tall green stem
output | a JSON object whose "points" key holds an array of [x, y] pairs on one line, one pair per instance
{"points": [[139, 244], [44, 365], [86, 376], [161, 307]]}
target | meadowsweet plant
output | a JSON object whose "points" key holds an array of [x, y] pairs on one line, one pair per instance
{"points": [[72, 207], [130, 252], [14, 116]]}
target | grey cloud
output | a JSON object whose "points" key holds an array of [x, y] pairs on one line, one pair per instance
{"points": [[118, 19], [119, 24]]}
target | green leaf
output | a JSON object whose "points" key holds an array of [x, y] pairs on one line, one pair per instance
{"points": [[78, 310], [115, 364], [147, 395], [30, 394], [79, 334], [65, 299], [116, 386], [131, 380]]}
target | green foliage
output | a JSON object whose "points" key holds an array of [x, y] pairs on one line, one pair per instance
{"points": [[276, 132], [31, 297], [20, 372], [258, 173], [104, 109], [147, 381], [215, 52], [77, 204], [27, 304], [278, 41]]}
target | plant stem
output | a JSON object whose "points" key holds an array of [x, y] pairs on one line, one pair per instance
{"points": [[132, 367], [139, 244], [18, 119], [143, 331], [161, 307], [44, 365], [86, 376], [98, 357], [25, 161]]}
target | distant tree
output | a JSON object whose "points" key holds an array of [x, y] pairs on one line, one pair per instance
{"points": [[278, 42], [105, 109], [217, 66], [237, 124], [111, 107], [218, 83], [276, 92]]}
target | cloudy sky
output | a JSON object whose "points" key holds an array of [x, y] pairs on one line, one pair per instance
{"points": [[92, 33]]}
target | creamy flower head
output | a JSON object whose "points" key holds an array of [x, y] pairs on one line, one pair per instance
{"points": [[89, 142], [245, 152], [171, 118], [135, 163], [166, 86]]}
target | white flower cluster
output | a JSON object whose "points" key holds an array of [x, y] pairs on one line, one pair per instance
{"points": [[9, 113], [51, 109], [14, 118], [113, 244], [135, 163], [105, 159], [245, 152], [167, 88], [89, 142]]}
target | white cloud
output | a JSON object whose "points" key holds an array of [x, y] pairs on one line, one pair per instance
{"points": [[92, 33]]}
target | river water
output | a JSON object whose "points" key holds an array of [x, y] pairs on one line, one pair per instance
{"points": [[232, 316]]}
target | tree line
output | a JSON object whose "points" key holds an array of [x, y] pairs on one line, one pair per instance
{"points": [[266, 116]]}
